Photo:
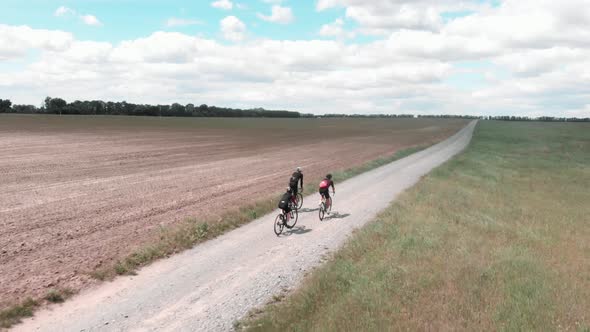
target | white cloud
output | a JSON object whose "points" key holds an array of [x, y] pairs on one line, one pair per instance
{"points": [[402, 17], [160, 47], [176, 22], [222, 4], [583, 112], [15, 41], [86, 19], [265, 73], [529, 24], [282, 15], [336, 29], [63, 11], [381, 17], [232, 28], [538, 61], [90, 20], [523, 57]]}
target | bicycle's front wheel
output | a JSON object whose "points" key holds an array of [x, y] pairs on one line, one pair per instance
{"points": [[299, 201], [293, 220], [279, 224]]}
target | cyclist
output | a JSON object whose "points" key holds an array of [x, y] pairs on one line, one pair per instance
{"points": [[325, 189], [296, 179], [285, 202]]}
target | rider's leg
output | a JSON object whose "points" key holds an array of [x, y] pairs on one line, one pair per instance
{"points": [[325, 197]]}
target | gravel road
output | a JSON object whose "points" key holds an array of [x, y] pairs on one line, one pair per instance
{"points": [[216, 283]]}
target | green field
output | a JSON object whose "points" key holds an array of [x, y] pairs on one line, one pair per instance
{"points": [[496, 239]]}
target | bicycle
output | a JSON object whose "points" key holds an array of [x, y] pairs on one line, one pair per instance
{"points": [[297, 200], [286, 220], [325, 208]]}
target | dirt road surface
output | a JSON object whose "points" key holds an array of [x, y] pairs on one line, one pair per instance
{"points": [[216, 283]]}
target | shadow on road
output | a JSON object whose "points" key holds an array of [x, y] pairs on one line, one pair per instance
{"points": [[298, 230], [336, 215], [308, 209]]}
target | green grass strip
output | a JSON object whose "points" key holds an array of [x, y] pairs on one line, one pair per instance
{"points": [[495, 239], [15, 314]]}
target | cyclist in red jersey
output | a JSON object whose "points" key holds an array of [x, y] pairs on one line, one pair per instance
{"points": [[325, 188]]}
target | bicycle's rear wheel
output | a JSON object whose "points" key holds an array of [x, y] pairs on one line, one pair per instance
{"points": [[279, 224], [329, 209], [322, 212], [299, 201], [293, 220]]}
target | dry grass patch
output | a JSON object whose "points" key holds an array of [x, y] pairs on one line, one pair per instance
{"points": [[59, 295], [15, 314]]}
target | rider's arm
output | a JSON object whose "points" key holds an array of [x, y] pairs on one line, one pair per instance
{"points": [[332, 184], [301, 180]]}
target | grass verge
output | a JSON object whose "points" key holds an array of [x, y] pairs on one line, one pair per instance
{"points": [[13, 315], [16, 313], [58, 295], [495, 239], [193, 231]]}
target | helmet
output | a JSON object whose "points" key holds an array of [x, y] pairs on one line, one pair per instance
{"points": [[329, 176], [298, 169]]}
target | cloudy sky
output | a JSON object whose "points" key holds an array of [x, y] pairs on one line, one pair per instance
{"points": [[481, 57]]}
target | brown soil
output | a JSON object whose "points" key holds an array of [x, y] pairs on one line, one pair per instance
{"points": [[81, 192]]}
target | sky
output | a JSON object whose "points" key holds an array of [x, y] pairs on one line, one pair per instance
{"points": [[475, 57]]}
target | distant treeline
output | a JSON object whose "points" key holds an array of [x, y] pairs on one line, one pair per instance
{"points": [[99, 107], [541, 118], [509, 118], [453, 116], [367, 116]]}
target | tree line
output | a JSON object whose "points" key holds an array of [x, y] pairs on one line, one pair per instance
{"points": [[336, 115], [99, 107], [541, 118]]}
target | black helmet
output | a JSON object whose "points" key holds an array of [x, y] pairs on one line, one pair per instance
{"points": [[329, 176]]}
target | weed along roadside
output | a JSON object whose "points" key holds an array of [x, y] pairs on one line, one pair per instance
{"points": [[495, 239], [189, 233]]}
